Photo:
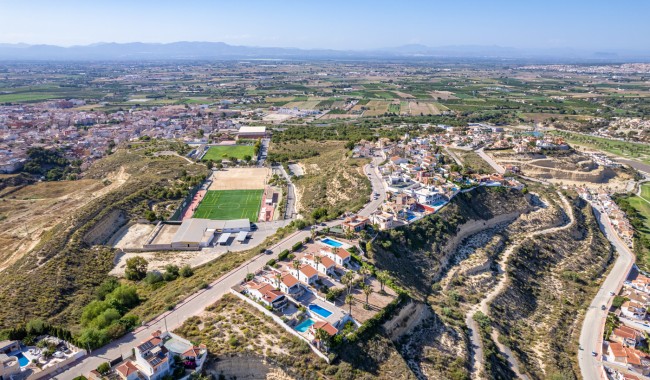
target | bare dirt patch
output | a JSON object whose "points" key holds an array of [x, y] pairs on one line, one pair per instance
{"points": [[240, 179], [29, 213]]}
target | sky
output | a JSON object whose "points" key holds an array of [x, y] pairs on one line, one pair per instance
{"points": [[332, 24]]}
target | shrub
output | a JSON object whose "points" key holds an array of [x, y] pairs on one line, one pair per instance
{"points": [[171, 272], [153, 278], [296, 246], [186, 271], [104, 368], [283, 255]]}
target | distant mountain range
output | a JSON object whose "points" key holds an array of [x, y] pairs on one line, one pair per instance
{"points": [[219, 50]]}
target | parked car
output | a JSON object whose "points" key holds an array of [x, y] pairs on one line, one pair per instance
{"points": [[594, 353], [603, 307]]}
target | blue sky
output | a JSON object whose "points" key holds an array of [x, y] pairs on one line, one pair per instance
{"points": [[360, 24]]}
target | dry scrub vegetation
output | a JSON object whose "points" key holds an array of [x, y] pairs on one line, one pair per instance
{"points": [[332, 180]]}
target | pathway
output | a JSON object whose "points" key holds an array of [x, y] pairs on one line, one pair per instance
{"points": [[475, 339]]}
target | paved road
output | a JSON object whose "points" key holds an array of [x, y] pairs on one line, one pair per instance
{"points": [[290, 210], [377, 187], [498, 168], [591, 336], [197, 302]]}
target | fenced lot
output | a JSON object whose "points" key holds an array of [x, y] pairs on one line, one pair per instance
{"points": [[226, 151], [240, 179], [230, 204]]}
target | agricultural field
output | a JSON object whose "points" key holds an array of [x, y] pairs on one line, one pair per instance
{"points": [[226, 151], [230, 204], [417, 108], [373, 108]]}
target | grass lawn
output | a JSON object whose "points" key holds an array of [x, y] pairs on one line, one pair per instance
{"points": [[627, 149], [645, 192], [222, 152], [230, 204], [643, 208]]}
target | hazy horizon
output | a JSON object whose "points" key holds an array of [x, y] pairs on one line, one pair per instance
{"points": [[362, 25]]}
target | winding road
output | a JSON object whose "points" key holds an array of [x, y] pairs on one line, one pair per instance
{"points": [[483, 306]]}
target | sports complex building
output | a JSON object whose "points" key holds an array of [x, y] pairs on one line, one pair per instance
{"points": [[220, 212]]}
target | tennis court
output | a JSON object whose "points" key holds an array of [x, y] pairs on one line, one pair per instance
{"points": [[230, 204]]}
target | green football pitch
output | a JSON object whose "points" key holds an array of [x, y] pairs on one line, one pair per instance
{"points": [[230, 204], [225, 151]]}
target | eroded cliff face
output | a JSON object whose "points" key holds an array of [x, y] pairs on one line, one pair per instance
{"points": [[552, 281], [422, 338], [420, 254]]}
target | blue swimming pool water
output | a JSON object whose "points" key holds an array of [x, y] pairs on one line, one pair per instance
{"points": [[332, 243], [320, 310], [438, 203], [22, 360], [304, 325], [410, 216]]}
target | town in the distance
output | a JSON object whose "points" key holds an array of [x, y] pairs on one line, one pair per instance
{"points": [[324, 219]]}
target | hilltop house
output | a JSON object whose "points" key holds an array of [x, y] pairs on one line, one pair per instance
{"points": [[627, 356], [266, 294], [626, 336], [355, 223], [307, 274], [339, 255]]}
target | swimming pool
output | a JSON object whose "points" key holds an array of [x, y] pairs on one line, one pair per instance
{"points": [[439, 203], [304, 325], [332, 243], [319, 310], [22, 360]]}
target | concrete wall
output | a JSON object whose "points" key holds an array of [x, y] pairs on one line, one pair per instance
{"points": [[47, 372]]}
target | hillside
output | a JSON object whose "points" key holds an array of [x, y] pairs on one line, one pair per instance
{"points": [[450, 262], [553, 278], [59, 275]]}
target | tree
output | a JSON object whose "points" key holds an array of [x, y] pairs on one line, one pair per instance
{"points": [[365, 272], [104, 368], [369, 250], [349, 299], [136, 268], [323, 337], [382, 277], [296, 266], [317, 260], [347, 280], [278, 278], [367, 290]]}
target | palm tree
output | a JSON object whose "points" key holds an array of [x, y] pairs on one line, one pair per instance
{"points": [[347, 279], [317, 260], [367, 290], [349, 299], [296, 266], [365, 272], [323, 337], [278, 277], [382, 277]]}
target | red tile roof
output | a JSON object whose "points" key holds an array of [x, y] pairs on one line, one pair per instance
{"points": [[328, 328], [127, 368], [308, 270], [289, 280], [327, 262]]}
